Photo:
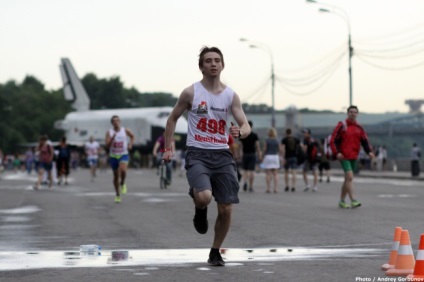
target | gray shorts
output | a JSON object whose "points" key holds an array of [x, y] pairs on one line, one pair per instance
{"points": [[213, 170]]}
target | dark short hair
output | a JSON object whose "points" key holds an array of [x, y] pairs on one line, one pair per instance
{"points": [[206, 49], [115, 116], [288, 131], [352, 107], [250, 123], [307, 130]]}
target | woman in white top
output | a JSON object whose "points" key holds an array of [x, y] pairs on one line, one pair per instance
{"points": [[271, 160]]}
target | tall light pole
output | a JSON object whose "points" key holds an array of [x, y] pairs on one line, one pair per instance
{"points": [[267, 49], [341, 13]]}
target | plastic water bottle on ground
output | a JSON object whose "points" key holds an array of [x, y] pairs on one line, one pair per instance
{"points": [[90, 249]]}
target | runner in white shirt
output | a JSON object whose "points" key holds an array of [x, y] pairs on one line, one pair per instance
{"points": [[92, 152], [118, 146], [211, 169]]}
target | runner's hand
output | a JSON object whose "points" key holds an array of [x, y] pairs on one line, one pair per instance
{"points": [[167, 156], [234, 130]]}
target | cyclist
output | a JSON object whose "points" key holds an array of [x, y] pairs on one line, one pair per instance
{"points": [[158, 150]]}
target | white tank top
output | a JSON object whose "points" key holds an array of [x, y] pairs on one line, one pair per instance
{"points": [[207, 120], [119, 145]]}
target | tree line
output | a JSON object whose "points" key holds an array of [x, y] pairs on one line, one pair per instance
{"points": [[28, 109]]}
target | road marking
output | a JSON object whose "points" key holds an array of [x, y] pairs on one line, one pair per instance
{"points": [[21, 210], [396, 196], [169, 257]]}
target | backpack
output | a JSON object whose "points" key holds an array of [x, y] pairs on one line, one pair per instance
{"points": [[291, 144], [315, 153], [327, 147]]}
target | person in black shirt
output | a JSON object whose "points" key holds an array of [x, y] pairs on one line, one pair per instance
{"points": [[62, 161], [251, 153], [290, 146], [311, 148]]}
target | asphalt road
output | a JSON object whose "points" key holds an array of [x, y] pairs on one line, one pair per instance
{"points": [[301, 236]]}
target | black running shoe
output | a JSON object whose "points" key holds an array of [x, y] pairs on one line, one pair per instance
{"points": [[215, 258], [200, 220], [245, 187], [286, 189]]}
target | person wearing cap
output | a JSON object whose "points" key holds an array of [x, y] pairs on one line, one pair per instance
{"points": [[345, 143], [311, 148]]}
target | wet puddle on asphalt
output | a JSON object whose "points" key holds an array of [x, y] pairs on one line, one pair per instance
{"points": [[163, 257]]}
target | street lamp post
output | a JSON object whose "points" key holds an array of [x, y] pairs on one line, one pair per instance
{"points": [[269, 51], [341, 13]]}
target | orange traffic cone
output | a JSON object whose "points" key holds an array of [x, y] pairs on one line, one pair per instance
{"points": [[419, 264], [394, 250], [405, 260]]}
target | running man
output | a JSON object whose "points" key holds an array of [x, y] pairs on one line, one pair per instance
{"points": [[92, 152], [118, 145], [211, 169], [345, 142]]}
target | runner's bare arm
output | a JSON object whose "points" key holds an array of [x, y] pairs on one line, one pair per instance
{"points": [[155, 148], [132, 137], [240, 118], [183, 103], [108, 139]]}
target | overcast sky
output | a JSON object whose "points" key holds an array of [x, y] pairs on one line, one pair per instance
{"points": [[153, 46]]}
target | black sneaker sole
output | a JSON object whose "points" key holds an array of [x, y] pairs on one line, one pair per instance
{"points": [[216, 262]]}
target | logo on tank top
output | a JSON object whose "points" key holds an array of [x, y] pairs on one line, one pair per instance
{"points": [[219, 109], [202, 108]]}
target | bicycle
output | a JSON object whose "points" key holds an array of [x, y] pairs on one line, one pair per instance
{"points": [[163, 182]]}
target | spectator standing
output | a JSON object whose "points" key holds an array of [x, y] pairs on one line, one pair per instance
{"points": [[271, 160], [415, 160], [251, 154], [290, 147], [311, 149], [46, 154], [29, 160], [62, 161]]}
